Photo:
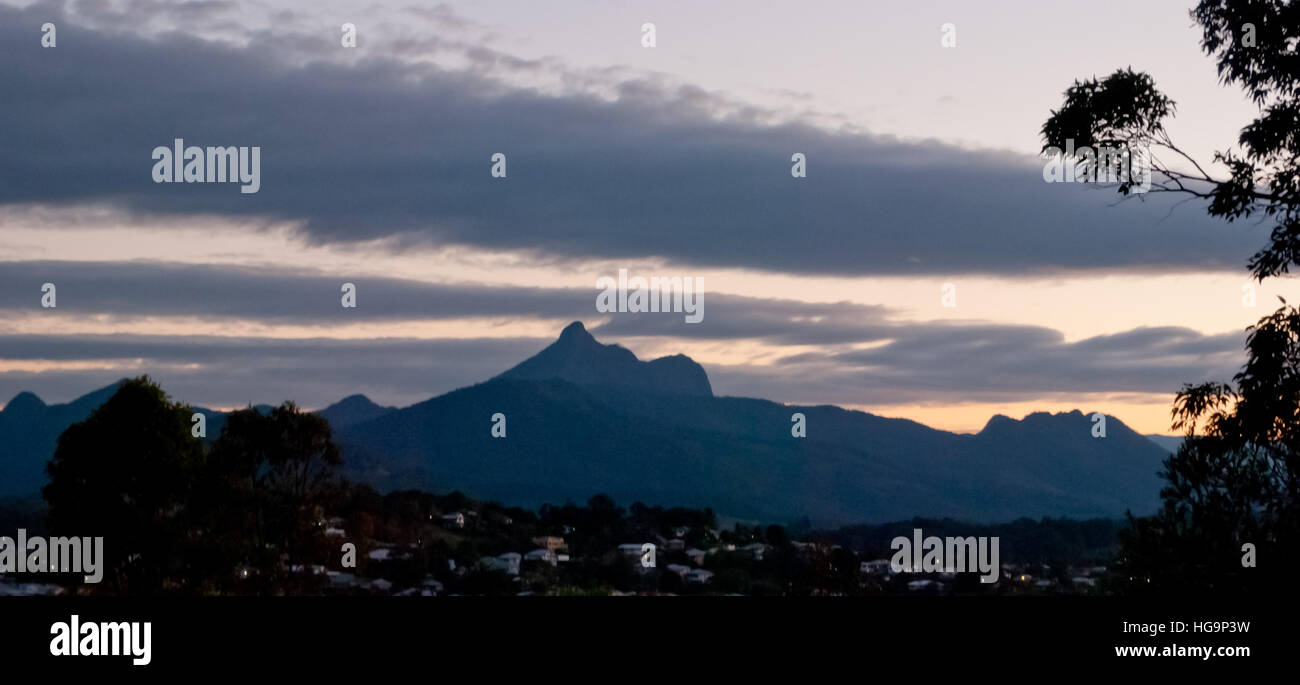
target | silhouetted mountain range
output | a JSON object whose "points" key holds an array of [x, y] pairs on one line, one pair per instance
{"points": [[583, 417]]}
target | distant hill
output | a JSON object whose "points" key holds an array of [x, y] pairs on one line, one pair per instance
{"points": [[353, 409], [583, 417], [29, 431], [1169, 443]]}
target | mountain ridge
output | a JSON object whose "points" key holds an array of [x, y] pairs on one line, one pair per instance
{"points": [[576, 356], [586, 417]]}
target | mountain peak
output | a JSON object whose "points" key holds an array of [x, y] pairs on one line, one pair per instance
{"points": [[575, 333], [579, 358], [352, 409], [573, 329], [23, 402]]}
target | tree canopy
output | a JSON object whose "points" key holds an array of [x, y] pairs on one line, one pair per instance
{"points": [[1234, 481]]}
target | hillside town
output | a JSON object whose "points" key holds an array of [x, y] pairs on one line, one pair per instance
{"points": [[413, 543]]}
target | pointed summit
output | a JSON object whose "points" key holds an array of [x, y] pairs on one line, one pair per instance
{"points": [[352, 409], [576, 334], [23, 403], [573, 329], [579, 358]]}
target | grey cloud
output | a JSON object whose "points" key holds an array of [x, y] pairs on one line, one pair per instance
{"points": [[925, 364], [909, 361], [381, 148], [258, 294], [236, 371], [968, 362], [129, 289]]}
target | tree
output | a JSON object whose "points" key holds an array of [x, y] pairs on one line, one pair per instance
{"points": [[1234, 479], [177, 518], [126, 473], [269, 477], [1125, 111], [777, 537]]}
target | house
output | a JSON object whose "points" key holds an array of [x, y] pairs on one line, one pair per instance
{"points": [[757, 550], [551, 542], [454, 520], [339, 579], [876, 567], [696, 556], [544, 555], [699, 575], [11, 587], [632, 550], [507, 563], [679, 569]]}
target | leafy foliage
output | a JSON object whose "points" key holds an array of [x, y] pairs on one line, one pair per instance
{"points": [[1234, 480], [1254, 43], [180, 517]]}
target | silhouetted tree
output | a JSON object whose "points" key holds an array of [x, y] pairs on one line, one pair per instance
{"points": [[1127, 112], [275, 471], [1234, 480], [126, 473]]}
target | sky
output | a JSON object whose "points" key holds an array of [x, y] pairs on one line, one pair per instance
{"points": [[923, 178]]}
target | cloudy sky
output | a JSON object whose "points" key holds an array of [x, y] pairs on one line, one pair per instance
{"points": [[670, 161]]}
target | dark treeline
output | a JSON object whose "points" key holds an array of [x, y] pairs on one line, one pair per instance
{"points": [[260, 509]]}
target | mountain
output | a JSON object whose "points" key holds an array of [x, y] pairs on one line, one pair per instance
{"points": [[583, 417], [353, 409], [29, 431], [1169, 443], [578, 358]]}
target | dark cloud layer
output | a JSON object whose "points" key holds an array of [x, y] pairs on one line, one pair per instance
{"points": [[233, 371], [130, 289], [904, 361], [384, 149], [926, 364]]}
